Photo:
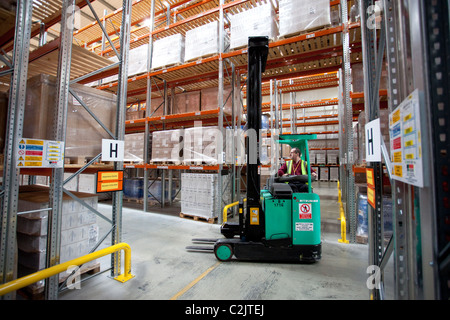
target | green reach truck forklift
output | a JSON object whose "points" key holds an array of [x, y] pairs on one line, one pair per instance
{"points": [[278, 224]]}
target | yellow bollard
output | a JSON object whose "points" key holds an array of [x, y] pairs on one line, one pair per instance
{"points": [[46, 273], [342, 218]]}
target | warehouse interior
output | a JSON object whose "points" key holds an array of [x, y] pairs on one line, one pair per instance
{"points": [[123, 130]]}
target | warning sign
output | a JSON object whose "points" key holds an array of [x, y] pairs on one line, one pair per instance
{"points": [[35, 153], [108, 181], [305, 211]]}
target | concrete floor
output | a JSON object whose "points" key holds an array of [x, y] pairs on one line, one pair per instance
{"points": [[164, 270]]}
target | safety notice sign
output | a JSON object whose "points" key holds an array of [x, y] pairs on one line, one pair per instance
{"points": [[405, 140], [36, 153], [305, 211]]}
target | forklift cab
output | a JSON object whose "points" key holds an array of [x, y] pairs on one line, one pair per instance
{"points": [[290, 214]]}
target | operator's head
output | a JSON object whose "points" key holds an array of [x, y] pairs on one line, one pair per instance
{"points": [[295, 154]]}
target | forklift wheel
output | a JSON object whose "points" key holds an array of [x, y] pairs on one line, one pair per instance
{"points": [[223, 252]]}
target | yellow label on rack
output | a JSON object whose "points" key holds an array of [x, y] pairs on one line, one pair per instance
{"points": [[398, 171], [33, 158], [407, 117], [37, 142], [396, 116], [398, 156], [371, 196], [33, 164], [369, 177]]}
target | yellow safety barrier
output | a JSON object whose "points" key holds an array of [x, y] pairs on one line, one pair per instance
{"points": [[342, 218], [225, 210], [46, 273]]}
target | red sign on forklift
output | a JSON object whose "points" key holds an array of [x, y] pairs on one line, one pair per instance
{"points": [[305, 211]]}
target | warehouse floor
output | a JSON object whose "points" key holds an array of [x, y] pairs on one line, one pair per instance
{"points": [[164, 269]]}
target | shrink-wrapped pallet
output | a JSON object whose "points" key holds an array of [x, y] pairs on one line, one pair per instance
{"points": [[334, 173], [83, 133], [303, 15], [167, 146], [168, 51], [200, 194], [258, 21], [203, 144], [324, 173], [204, 40], [137, 63], [134, 147]]}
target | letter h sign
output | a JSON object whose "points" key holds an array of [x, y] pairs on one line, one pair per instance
{"points": [[373, 141], [112, 150]]}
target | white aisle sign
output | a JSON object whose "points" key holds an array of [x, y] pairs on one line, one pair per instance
{"points": [[112, 150], [373, 141]]}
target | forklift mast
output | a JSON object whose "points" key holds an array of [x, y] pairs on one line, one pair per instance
{"points": [[258, 48]]}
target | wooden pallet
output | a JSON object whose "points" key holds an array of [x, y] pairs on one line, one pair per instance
{"points": [[167, 66], [209, 55], [165, 163], [150, 202], [361, 239], [133, 200], [198, 218], [34, 292]]}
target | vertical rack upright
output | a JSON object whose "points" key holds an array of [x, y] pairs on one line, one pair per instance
{"points": [[15, 124]]}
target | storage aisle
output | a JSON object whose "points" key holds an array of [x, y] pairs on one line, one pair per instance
{"points": [[164, 270]]}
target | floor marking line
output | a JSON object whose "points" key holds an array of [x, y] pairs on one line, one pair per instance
{"points": [[193, 283]]}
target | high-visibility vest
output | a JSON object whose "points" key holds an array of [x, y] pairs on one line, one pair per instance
{"points": [[289, 167]]}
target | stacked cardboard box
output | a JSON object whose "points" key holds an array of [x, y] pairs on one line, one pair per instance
{"points": [[210, 100], [187, 102], [79, 229], [303, 15], [259, 21]]}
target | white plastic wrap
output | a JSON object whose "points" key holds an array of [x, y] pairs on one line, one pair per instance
{"points": [[134, 147], [204, 40], [84, 134], [167, 145], [202, 144], [199, 194], [303, 15], [259, 21], [137, 63], [168, 51]]}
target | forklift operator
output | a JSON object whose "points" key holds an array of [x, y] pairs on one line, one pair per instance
{"points": [[296, 166]]}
